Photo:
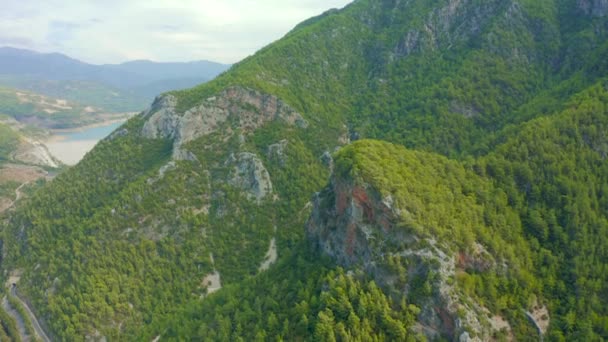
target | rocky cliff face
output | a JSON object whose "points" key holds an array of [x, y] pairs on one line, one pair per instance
{"points": [[360, 229], [456, 21], [245, 109], [249, 174]]}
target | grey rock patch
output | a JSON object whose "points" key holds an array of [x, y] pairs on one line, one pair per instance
{"points": [[247, 109], [250, 175], [117, 134], [467, 111], [270, 257], [328, 160], [278, 151], [161, 118]]}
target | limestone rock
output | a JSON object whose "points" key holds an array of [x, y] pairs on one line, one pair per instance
{"points": [[117, 134], [357, 227], [277, 151], [327, 160], [34, 152], [445, 25], [250, 175], [161, 118], [247, 109]]}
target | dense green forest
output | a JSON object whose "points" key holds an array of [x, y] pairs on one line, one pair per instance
{"points": [[496, 122]]}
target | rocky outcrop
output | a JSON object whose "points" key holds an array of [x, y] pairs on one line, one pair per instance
{"points": [[35, 153], [595, 8], [161, 118], [359, 228], [277, 151], [245, 109], [327, 160], [249, 174], [118, 134], [457, 20]]}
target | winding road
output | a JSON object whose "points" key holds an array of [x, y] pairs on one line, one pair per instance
{"points": [[39, 331], [18, 195], [536, 325]]}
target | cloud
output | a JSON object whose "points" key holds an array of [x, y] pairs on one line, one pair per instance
{"points": [[62, 31], [112, 31], [17, 41]]}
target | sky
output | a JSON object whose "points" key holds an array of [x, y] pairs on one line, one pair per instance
{"points": [[115, 31]]}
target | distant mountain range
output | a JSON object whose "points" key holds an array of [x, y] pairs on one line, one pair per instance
{"points": [[114, 87]]}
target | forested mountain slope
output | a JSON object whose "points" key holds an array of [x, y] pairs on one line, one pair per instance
{"points": [[195, 192], [521, 229]]}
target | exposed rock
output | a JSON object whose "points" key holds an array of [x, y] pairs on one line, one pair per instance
{"points": [[250, 175], [183, 154], [35, 153], [278, 151], [212, 282], [539, 316], [357, 227], [117, 134], [161, 118], [271, 256], [456, 21], [165, 168], [595, 8], [246, 108], [344, 138], [476, 260], [327, 160], [465, 110]]}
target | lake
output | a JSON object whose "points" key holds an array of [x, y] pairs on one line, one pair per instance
{"points": [[71, 147]]}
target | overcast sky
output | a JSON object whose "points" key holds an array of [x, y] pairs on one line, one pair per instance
{"points": [[113, 31]]}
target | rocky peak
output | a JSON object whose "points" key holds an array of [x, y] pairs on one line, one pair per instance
{"points": [[245, 108], [359, 228], [161, 118]]}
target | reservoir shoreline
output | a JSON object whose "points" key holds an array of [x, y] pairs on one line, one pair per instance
{"points": [[70, 145]]}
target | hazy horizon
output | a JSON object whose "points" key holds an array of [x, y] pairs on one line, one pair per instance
{"points": [[114, 31]]}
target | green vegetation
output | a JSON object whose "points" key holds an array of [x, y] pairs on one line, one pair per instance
{"points": [[555, 174], [16, 304], [7, 189], [8, 327], [303, 299], [161, 258], [514, 96], [9, 140]]}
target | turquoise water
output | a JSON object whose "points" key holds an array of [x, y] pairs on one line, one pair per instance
{"points": [[95, 133]]}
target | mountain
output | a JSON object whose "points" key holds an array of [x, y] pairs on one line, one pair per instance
{"points": [[473, 207], [121, 87], [167, 71]]}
